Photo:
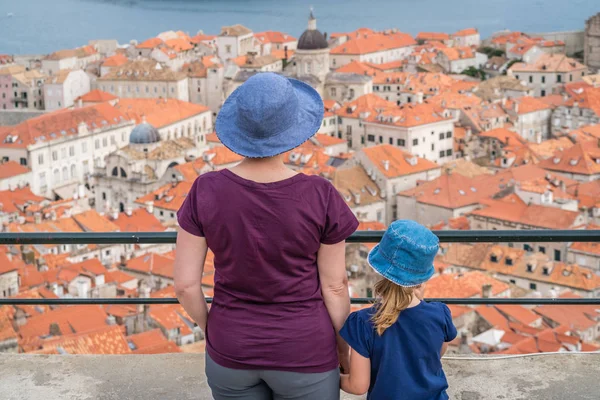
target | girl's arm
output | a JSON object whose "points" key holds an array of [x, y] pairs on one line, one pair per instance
{"points": [[189, 266], [331, 261], [358, 380]]}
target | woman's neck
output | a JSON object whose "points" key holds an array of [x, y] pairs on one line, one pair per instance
{"points": [[263, 170]]}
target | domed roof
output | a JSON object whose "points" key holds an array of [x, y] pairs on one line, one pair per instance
{"points": [[312, 39], [144, 133]]}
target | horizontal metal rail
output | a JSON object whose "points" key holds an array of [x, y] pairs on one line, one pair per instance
{"points": [[364, 300], [357, 237]]}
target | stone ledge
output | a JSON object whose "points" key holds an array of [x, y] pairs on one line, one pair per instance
{"points": [[181, 376]]}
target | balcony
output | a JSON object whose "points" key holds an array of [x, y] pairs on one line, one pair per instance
{"points": [[566, 375]]}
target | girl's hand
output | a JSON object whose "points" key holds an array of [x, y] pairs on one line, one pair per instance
{"points": [[344, 362]]}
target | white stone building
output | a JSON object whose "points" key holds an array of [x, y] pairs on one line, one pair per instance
{"points": [[234, 41], [206, 82], [61, 89], [145, 79], [466, 38]]}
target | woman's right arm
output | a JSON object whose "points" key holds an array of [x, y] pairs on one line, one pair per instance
{"points": [[331, 261]]}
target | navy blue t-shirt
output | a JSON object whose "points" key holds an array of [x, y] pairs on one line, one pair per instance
{"points": [[405, 360]]}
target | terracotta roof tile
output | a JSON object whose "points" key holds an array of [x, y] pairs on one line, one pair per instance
{"points": [[150, 43], [549, 63], [221, 155], [466, 32], [96, 96], [432, 36], [169, 196], [92, 221], [400, 163], [152, 264], [373, 42], [105, 340], [493, 317], [274, 37], [160, 348], [518, 313], [583, 158], [147, 339], [140, 220], [115, 61], [468, 284], [10, 169], [159, 112]]}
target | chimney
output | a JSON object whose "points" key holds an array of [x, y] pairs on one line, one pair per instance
{"points": [[114, 214], [54, 329], [123, 260], [504, 101], [53, 215], [562, 186], [356, 198], [419, 97], [37, 217], [516, 106], [150, 207], [464, 348], [386, 165], [250, 57], [128, 211], [28, 256], [486, 291], [110, 320], [285, 52]]}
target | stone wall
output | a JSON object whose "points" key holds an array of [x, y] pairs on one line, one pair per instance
{"points": [[592, 42], [573, 39]]}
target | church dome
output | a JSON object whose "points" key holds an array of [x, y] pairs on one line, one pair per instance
{"points": [[144, 133], [312, 39]]}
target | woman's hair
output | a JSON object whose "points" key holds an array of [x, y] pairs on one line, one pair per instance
{"points": [[393, 300]]}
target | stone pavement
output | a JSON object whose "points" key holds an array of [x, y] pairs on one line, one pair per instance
{"points": [[181, 376]]}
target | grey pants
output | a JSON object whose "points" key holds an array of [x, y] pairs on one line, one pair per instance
{"points": [[227, 383]]}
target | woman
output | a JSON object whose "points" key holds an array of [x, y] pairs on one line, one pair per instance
{"points": [[281, 294]]}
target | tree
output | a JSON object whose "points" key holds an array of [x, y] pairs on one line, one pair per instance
{"points": [[474, 72], [492, 52]]}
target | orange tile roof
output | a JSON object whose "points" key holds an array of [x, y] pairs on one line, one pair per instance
{"points": [[159, 112], [454, 190], [457, 53], [121, 310], [150, 43], [118, 277], [30, 277], [589, 98], [466, 32], [356, 187], [493, 317], [15, 201], [171, 317], [7, 331], [458, 311], [274, 37], [202, 38], [504, 136], [92, 221], [147, 339], [548, 148], [588, 193], [575, 317], [69, 319], [368, 103], [170, 196], [549, 63], [409, 115], [190, 170], [527, 104], [160, 348], [358, 67], [10, 169], [324, 140], [432, 36], [373, 42], [140, 220], [179, 44], [424, 82], [518, 313], [532, 215], [399, 161], [280, 54], [585, 133], [115, 61], [370, 226], [468, 284], [61, 123], [105, 340], [583, 158], [153, 264], [96, 96], [221, 155]]}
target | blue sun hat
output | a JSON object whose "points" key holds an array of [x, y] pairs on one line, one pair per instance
{"points": [[405, 254], [269, 115]]}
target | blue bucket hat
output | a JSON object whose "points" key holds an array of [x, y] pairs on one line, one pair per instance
{"points": [[269, 115], [405, 254]]}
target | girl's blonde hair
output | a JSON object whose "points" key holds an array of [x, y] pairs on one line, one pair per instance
{"points": [[394, 299]]}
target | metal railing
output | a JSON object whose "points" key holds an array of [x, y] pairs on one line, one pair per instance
{"points": [[522, 236]]}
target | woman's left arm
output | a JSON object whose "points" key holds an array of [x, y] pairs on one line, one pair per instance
{"points": [[189, 266]]}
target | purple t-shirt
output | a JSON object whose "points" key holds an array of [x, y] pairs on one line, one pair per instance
{"points": [[268, 312]]}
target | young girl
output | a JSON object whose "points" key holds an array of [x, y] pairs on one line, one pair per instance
{"points": [[397, 344]]}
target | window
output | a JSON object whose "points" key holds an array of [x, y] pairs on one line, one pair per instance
{"points": [[104, 142], [333, 92], [532, 286], [73, 171], [162, 213], [112, 140], [380, 139], [415, 142], [42, 179], [441, 153], [527, 247], [40, 159], [508, 261], [103, 195], [448, 152], [228, 48], [546, 271], [494, 258], [558, 78], [84, 147], [556, 255], [542, 249], [448, 135], [97, 144], [72, 151], [172, 215], [349, 130], [63, 153], [512, 281], [391, 141], [371, 138], [517, 76], [379, 216], [65, 174], [432, 147], [530, 79], [543, 79], [56, 176], [23, 161], [54, 156], [543, 93], [441, 135], [570, 77], [401, 142]]}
